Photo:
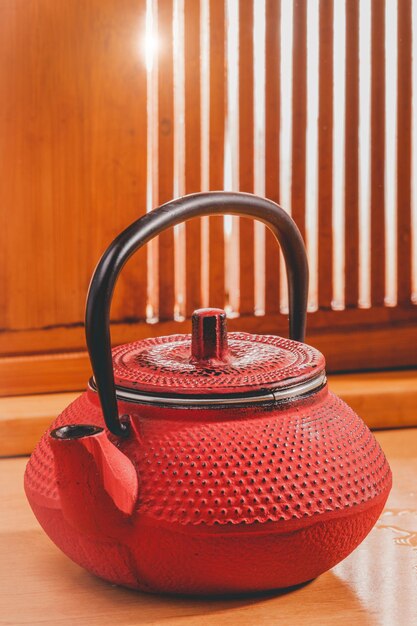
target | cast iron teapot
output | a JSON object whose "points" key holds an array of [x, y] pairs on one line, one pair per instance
{"points": [[207, 463]]}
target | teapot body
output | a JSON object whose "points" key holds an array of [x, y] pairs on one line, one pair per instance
{"points": [[210, 462], [229, 500]]}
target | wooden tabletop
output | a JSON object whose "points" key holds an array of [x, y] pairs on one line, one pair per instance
{"points": [[376, 585]]}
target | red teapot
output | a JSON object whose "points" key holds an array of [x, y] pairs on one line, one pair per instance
{"points": [[206, 463]]}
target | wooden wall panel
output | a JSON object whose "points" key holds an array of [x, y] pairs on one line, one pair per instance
{"points": [[45, 161], [73, 140], [118, 143], [75, 163]]}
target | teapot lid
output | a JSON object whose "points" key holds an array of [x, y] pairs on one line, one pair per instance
{"points": [[211, 363]]}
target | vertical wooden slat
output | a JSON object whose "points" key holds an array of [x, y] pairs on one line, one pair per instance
{"points": [[404, 153], [299, 114], [246, 154], [192, 150], [325, 153], [216, 147], [351, 155], [152, 165], [272, 117], [166, 289], [377, 179]]}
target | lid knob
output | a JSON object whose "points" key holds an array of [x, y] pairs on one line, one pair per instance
{"points": [[209, 335]]}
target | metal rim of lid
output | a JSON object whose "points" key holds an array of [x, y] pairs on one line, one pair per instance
{"points": [[269, 397]]}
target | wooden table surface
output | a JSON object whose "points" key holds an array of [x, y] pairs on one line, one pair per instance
{"points": [[377, 584]]}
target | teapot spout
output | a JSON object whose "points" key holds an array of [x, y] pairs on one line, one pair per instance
{"points": [[97, 483]]}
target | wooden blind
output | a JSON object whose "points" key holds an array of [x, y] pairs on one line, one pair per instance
{"points": [[111, 108]]}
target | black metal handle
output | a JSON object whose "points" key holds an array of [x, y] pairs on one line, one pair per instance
{"points": [[97, 320]]}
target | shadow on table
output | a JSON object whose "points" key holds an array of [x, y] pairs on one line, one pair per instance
{"points": [[324, 600]]}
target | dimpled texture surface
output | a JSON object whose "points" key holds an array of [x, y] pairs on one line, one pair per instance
{"points": [[301, 485], [318, 457], [255, 362]]}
